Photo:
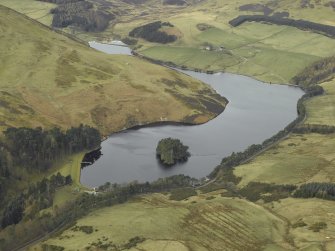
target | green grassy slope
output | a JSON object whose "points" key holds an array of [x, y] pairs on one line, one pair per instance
{"points": [[50, 80], [196, 224], [299, 158], [37, 10], [267, 52], [321, 110]]}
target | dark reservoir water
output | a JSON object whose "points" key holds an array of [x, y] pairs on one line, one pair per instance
{"points": [[255, 112]]}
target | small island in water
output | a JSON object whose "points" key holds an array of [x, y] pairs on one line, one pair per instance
{"points": [[170, 151]]}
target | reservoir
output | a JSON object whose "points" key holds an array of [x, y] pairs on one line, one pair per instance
{"points": [[256, 111]]}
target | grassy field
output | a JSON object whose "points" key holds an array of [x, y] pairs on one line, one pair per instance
{"points": [[302, 159], [205, 222], [309, 211], [70, 166], [195, 224], [267, 52], [34, 9], [321, 110], [50, 80], [299, 158]]}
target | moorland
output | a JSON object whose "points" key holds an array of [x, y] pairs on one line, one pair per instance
{"points": [[277, 196]]}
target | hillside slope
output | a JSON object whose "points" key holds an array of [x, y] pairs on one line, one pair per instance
{"points": [[202, 222], [47, 79], [272, 53], [206, 40]]}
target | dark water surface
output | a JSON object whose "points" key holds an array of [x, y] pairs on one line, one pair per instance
{"points": [[255, 112]]}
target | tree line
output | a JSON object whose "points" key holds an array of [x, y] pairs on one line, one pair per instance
{"points": [[109, 194], [323, 29], [37, 197], [151, 33], [316, 73], [312, 128], [255, 191], [61, 1], [174, 2], [115, 194], [79, 13], [238, 158], [316, 190], [4, 165], [37, 149], [162, 184]]}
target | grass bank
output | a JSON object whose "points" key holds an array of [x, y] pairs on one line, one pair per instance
{"points": [[197, 224], [271, 53], [67, 83], [301, 157]]}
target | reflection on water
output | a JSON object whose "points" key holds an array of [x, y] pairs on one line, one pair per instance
{"points": [[91, 157]]}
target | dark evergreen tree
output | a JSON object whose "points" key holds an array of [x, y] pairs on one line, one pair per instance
{"points": [[170, 151], [38, 149], [316, 190], [151, 33], [324, 29], [13, 213]]}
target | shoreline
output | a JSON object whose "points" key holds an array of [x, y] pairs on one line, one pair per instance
{"points": [[288, 129], [172, 65]]}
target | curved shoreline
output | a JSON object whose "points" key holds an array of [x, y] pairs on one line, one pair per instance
{"points": [[165, 123], [281, 133], [279, 136], [172, 65]]}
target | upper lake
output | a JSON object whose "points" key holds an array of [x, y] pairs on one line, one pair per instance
{"points": [[255, 112]]}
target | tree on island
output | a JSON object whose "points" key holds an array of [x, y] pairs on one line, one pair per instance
{"points": [[170, 151]]}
